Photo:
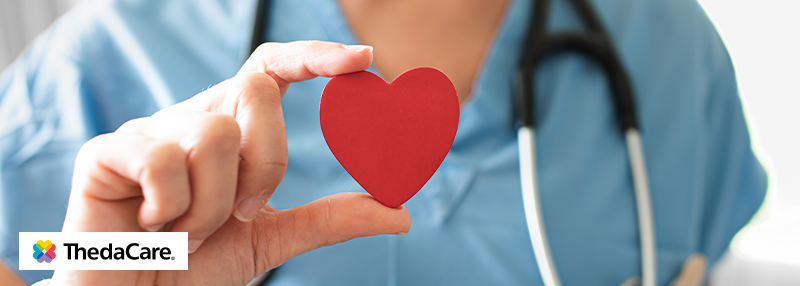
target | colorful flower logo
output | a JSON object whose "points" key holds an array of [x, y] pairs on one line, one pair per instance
{"points": [[44, 251]]}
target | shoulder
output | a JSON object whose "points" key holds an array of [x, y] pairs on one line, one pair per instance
{"points": [[104, 24], [670, 47], [128, 58], [661, 26]]}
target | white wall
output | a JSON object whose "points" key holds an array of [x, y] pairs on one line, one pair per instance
{"points": [[763, 37], [22, 20], [764, 40]]}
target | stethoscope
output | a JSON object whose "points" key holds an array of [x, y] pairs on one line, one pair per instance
{"points": [[597, 45]]}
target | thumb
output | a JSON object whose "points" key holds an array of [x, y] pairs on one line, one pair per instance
{"points": [[324, 222]]}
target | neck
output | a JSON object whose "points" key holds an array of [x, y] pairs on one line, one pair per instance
{"points": [[451, 35]]}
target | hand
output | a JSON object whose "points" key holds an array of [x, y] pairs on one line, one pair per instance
{"points": [[190, 167]]}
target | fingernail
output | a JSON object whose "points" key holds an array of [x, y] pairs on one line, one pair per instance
{"points": [[402, 233], [358, 48], [194, 244], [248, 209], [155, 227]]}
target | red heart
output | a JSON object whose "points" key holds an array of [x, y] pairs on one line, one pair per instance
{"points": [[390, 137]]}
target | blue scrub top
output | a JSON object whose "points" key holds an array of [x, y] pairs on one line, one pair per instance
{"points": [[106, 62]]}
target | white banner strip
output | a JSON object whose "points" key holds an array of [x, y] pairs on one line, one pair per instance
{"points": [[103, 251]]}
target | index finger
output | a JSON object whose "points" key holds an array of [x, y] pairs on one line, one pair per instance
{"points": [[304, 60], [284, 63]]}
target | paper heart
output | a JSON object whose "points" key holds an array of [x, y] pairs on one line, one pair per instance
{"points": [[392, 137]]}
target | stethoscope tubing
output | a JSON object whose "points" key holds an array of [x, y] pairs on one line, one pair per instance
{"points": [[532, 205], [644, 206], [533, 212], [596, 45]]}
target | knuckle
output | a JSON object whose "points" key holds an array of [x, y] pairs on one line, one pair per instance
{"points": [[256, 87], [89, 151], [328, 214], [217, 131], [132, 126], [177, 206], [331, 224], [164, 157], [93, 144], [312, 44], [278, 165], [264, 48], [219, 125], [272, 174]]}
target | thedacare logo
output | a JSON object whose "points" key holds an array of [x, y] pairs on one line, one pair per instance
{"points": [[104, 251], [44, 251], [132, 252]]}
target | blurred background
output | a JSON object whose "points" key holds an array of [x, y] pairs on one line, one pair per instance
{"points": [[764, 40], [22, 20]]}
